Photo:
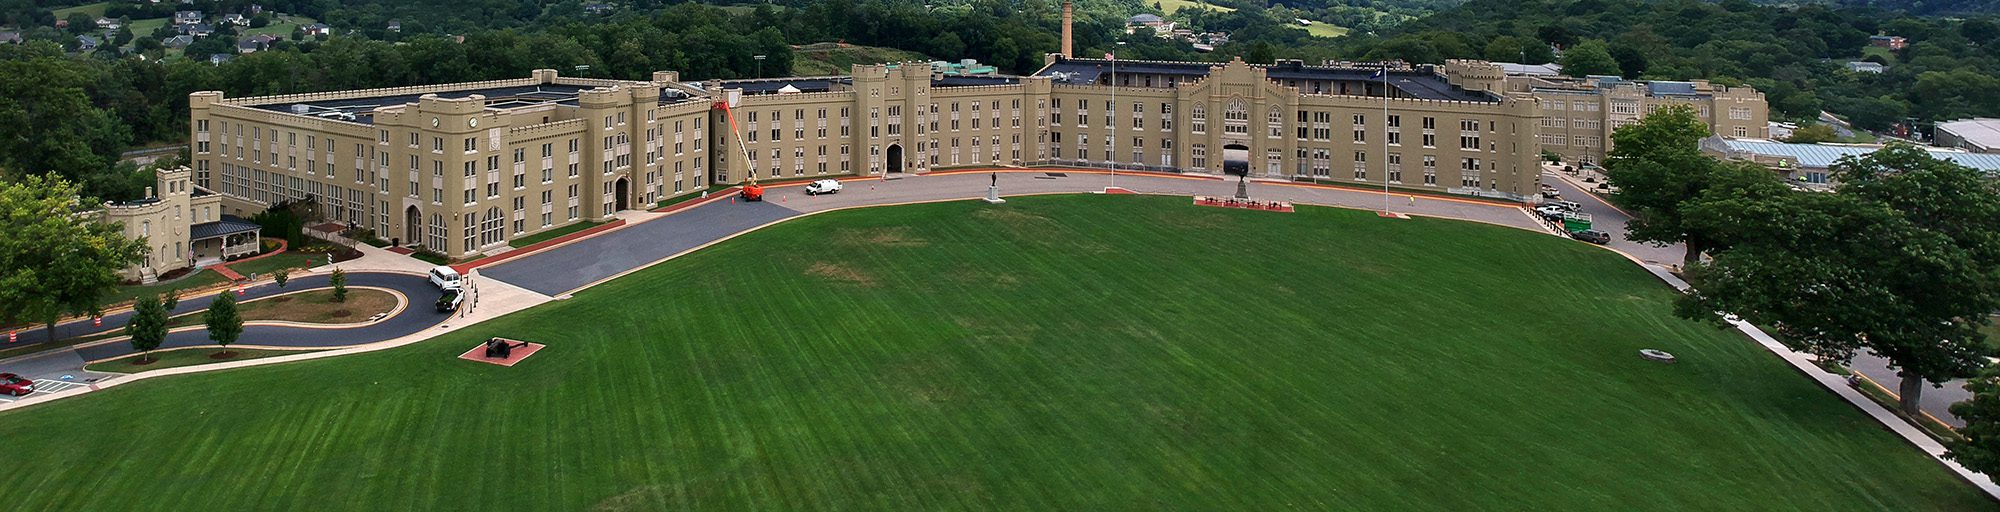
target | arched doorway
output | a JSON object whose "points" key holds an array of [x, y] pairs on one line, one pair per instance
{"points": [[895, 158], [413, 225], [1236, 160], [624, 188]]}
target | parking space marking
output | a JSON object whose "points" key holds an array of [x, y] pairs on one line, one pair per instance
{"points": [[55, 386]]}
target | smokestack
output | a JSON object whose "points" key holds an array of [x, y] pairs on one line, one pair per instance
{"points": [[1067, 18]]}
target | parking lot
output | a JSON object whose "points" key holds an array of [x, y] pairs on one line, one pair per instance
{"points": [[47, 386]]}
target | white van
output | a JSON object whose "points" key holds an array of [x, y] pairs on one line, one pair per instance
{"points": [[444, 277]]}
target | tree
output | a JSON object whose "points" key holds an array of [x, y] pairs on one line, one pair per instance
{"points": [[148, 326], [224, 323], [339, 280], [280, 276], [1903, 261], [170, 302], [58, 258], [1589, 58], [1813, 134], [1657, 166], [80, 23], [1978, 446], [260, 21]]}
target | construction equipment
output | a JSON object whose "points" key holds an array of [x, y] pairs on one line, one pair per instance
{"points": [[751, 190]]}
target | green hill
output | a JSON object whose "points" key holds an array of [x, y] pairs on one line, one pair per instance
{"points": [[820, 59]]}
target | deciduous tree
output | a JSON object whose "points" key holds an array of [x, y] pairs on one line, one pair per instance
{"points": [[58, 258], [1658, 167], [224, 323], [1902, 261], [148, 326]]}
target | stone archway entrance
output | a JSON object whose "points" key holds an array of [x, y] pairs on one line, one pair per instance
{"points": [[624, 189], [413, 225], [895, 158], [1236, 160]]}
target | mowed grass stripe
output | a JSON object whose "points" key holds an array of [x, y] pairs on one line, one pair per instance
{"points": [[1062, 352]]}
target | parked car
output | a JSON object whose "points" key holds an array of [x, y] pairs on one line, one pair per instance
{"points": [[1592, 236], [823, 187], [450, 300], [445, 278], [1551, 212], [14, 385], [1569, 206]]}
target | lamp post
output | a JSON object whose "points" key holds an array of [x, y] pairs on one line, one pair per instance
{"points": [[760, 64]]}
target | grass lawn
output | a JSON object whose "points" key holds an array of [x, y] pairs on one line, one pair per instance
{"points": [[1054, 353], [552, 233], [815, 60], [1325, 30], [145, 27], [184, 357], [282, 29], [288, 259], [1884, 53], [201, 278], [95, 10], [1174, 5], [314, 307]]}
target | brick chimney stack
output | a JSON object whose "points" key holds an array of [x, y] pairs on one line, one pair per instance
{"points": [[1068, 17]]}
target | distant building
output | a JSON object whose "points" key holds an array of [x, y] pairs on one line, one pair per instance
{"points": [[178, 41], [597, 8], [1978, 135], [235, 19], [218, 58], [1579, 114], [317, 29], [256, 43], [1890, 42], [1781, 131], [108, 23], [1808, 165], [86, 43], [187, 17], [1513, 69], [1148, 21], [197, 30], [1865, 67], [183, 226], [10, 37], [395, 26]]}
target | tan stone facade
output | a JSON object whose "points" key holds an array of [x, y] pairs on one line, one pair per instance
{"points": [[176, 220], [1577, 115], [463, 168]]}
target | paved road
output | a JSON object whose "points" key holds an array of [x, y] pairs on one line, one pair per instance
{"points": [[569, 267], [1609, 220], [418, 316], [1936, 401]]}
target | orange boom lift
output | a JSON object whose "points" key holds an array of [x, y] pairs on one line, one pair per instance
{"points": [[751, 190]]}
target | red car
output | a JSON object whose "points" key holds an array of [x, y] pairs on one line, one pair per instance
{"points": [[11, 384]]}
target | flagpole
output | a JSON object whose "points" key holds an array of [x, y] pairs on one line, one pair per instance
{"points": [[1385, 138], [1112, 158]]}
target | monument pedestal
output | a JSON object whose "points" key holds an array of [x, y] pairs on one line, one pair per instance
{"points": [[993, 195]]}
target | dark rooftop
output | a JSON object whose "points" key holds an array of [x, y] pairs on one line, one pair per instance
{"points": [[229, 225], [773, 85], [361, 110], [961, 81], [1415, 83]]}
